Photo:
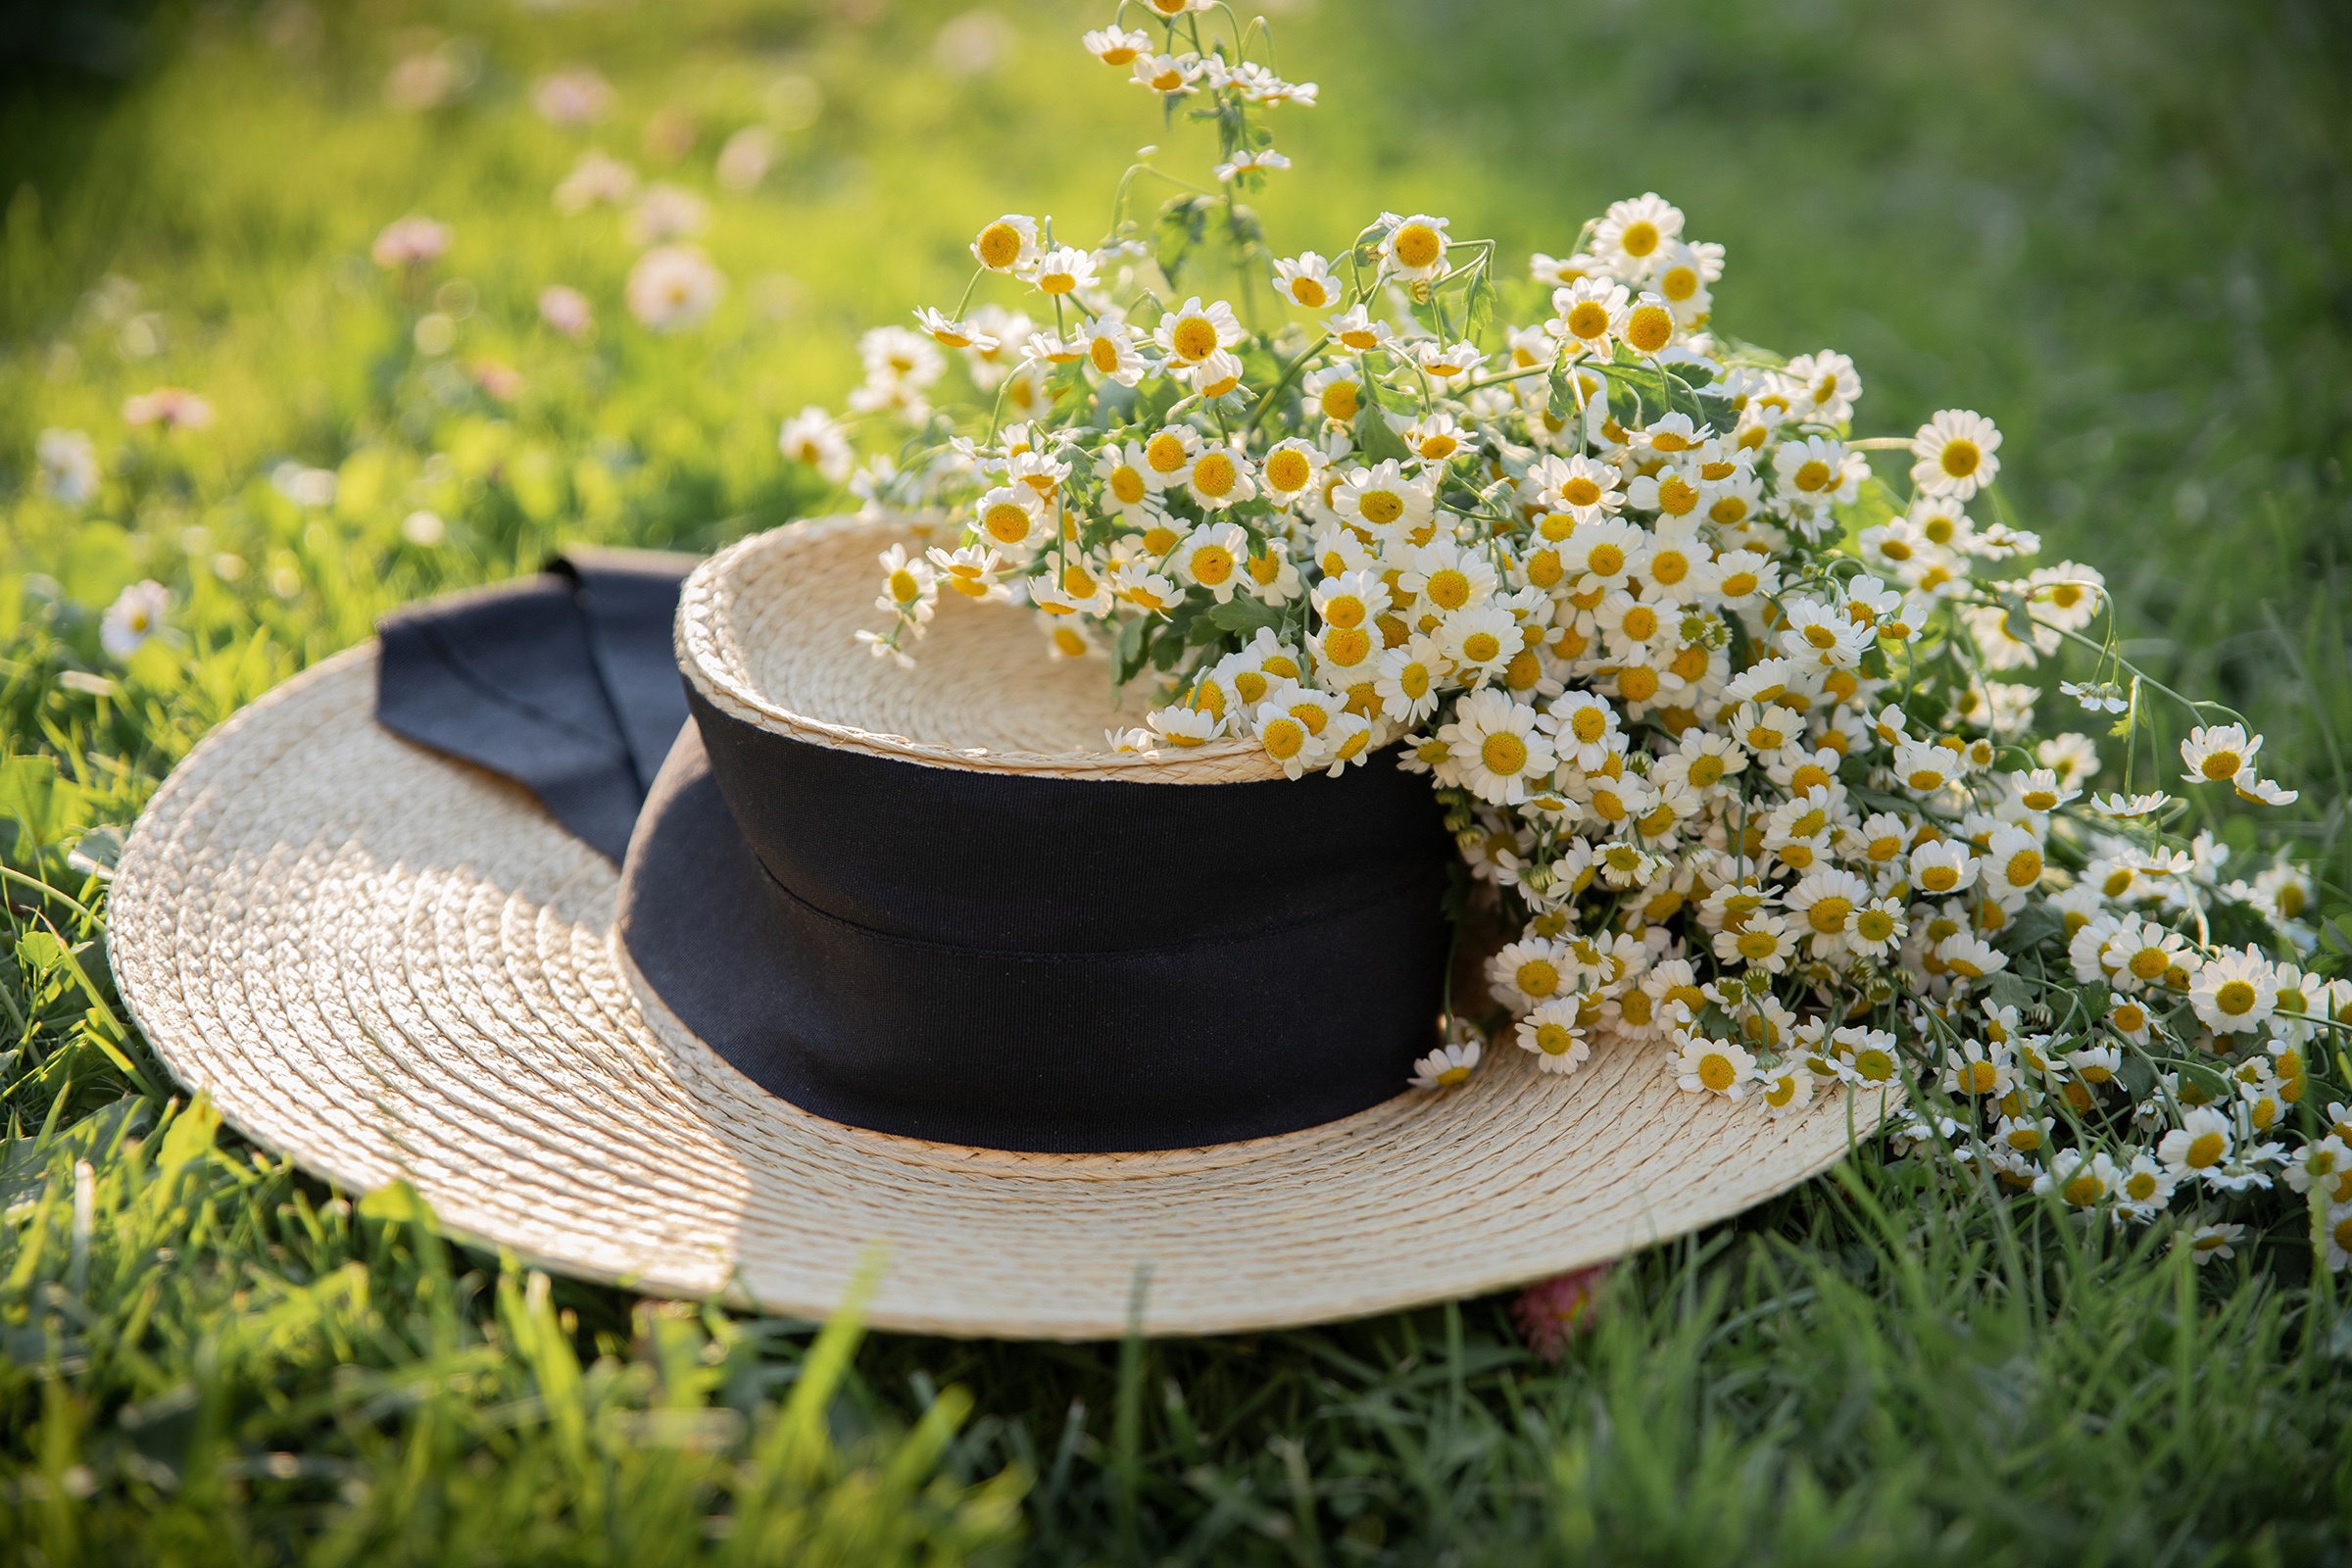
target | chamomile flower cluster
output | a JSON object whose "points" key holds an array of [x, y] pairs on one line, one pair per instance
{"points": [[1721, 701]]}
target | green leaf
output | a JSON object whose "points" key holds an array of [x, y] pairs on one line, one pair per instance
{"points": [[1244, 615], [1373, 436], [2019, 621], [1129, 650]]}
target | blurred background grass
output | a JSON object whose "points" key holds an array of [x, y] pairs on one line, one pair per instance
{"points": [[2118, 226]]}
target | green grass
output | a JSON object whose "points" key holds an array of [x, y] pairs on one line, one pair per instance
{"points": [[2120, 228]]}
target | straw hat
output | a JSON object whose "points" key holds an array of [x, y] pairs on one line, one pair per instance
{"points": [[387, 964]]}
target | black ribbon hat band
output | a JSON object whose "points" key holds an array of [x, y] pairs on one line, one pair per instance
{"points": [[968, 955]]}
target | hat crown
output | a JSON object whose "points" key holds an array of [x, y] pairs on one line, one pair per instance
{"points": [[767, 634]]}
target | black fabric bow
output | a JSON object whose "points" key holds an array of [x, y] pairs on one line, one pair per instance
{"points": [[566, 683]]}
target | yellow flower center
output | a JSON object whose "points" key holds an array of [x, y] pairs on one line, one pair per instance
{"points": [[2222, 764], [1449, 589], [1214, 475], [902, 586], [1006, 523], [1057, 283], [2083, 1190], [1873, 1066], [1874, 925], [1678, 283], [2025, 868], [1812, 475], [1637, 683], [999, 246], [1640, 622], [1961, 459], [1289, 470], [2235, 997], [1739, 584], [1641, 237], [1195, 339], [1417, 245], [1758, 944], [1581, 492], [1284, 739], [1127, 484], [1212, 565], [1727, 511], [1605, 560], [1651, 329], [2205, 1149], [1106, 355], [1340, 402], [1553, 1038], [1347, 648], [1068, 642], [1716, 1072], [1538, 977], [1165, 451], [1589, 320], [1505, 754], [1310, 292], [2149, 962], [1380, 508], [1828, 915]]}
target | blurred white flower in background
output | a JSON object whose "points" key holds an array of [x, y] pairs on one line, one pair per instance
{"points": [[566, 309], [673, 287], [69, 462], [973, 44], [303, 486], [409, 242], [136, 615], [666, 213], [575, 97], [745, 160], [175, 408], [596, 180]]}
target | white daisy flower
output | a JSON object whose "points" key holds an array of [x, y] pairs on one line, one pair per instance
{"points": [[2218, 753], [1823, 387], [970, 570], [2234, 991], [1357, 332], [1481, 640], [1496, 746], [1412, 248], [1447, 1066], [1211, 555], [1250, 163], [2201, 1144], [1290, 469], [1168, 74], [1007, 245], [1219, 477], [1955, 452], [1192, 331], [2210, 1242], [1787, 1087], [1408, 679], [1012, 515], [1552, 1033], [1588, 315], [1713, 1066], [1633, 236], [1117, 48], [69, 465], [812, 436], [1064, 269], [1306, 282], [1383, 501]]}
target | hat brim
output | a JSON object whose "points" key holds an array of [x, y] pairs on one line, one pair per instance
{"points": [[385, 965]]}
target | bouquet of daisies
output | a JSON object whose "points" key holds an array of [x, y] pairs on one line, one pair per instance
{"points": [[1720, 704]]}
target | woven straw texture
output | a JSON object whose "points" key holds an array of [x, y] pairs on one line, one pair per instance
{"points": [[767, 630], [389, 965]]}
